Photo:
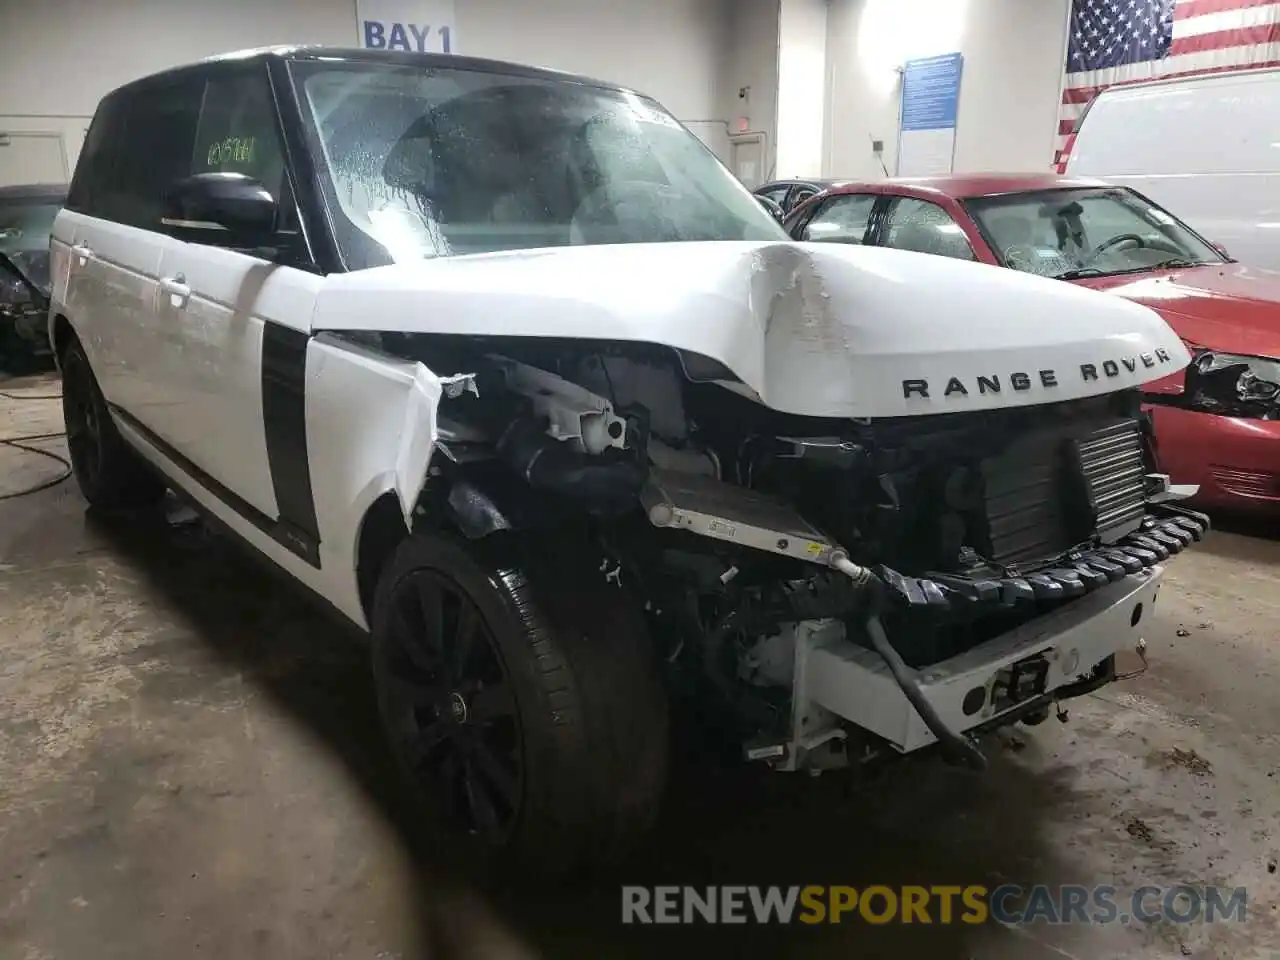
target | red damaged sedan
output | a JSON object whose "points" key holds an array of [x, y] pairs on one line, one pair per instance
{"points": [[1218, 422]]}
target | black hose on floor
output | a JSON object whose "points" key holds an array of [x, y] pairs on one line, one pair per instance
{"points": [[30, 396], [46, 484], [23, 443]]}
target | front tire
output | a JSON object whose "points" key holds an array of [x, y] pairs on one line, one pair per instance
{"points": [[521, 700], [109, 473]]}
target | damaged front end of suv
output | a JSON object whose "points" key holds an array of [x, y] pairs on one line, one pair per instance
{"points": [[868, 501]]}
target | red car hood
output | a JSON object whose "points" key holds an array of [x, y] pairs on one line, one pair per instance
{"points": [[1225, 307]]}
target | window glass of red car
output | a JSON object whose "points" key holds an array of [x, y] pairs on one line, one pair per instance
{"points": [[925, 228], [841, 219], [1086, 232]]}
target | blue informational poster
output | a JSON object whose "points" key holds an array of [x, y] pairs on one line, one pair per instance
{"points": [[930, 104]]}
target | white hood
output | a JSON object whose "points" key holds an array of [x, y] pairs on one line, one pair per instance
{"points": [[815, 329]]}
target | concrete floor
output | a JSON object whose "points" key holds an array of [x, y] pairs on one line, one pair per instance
{"points": [[190, 765]]}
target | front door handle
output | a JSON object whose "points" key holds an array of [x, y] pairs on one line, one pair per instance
{"points": [[176, 289], [82, 253]]}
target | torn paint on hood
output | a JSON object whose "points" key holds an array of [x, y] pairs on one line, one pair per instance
{"points": [[826, 330]]}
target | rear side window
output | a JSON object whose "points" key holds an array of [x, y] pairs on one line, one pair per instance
{"points": [[93, 169], [146, 152], [925, 228], [843, 218]]}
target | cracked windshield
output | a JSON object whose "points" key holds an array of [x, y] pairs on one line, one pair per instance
{"points": [[1067, 234]]}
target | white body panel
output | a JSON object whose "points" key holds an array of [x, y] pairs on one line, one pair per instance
{"points": [[1207, 149], [111, 293], [203, 351], [812, 329], [370, 431]]}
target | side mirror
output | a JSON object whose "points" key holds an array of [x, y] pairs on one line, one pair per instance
{"points": [[228, 209], [773, 206]]}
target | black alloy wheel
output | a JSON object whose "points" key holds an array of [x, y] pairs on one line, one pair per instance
{"points": [[84, 426], [110, 474], [522, 700], [451, 707]]}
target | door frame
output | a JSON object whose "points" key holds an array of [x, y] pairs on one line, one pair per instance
{"points": [[738, 139], [45, 135]]}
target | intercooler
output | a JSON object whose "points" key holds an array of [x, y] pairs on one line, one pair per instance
{"points": [[1048, 492]]}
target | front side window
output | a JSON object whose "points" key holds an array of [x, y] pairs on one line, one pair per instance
{"points": [[238, 133], [1086, 232], [441, 162], [842, 219], [924, 227]]}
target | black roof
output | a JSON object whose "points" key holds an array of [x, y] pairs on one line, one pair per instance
{"points": [[810, 181], [56, 192], [402, 58]]}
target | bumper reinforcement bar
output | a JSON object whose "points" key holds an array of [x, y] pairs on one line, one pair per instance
{"points": [[1167, 529]]}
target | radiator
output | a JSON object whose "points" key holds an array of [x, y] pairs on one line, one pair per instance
{"points": [[1114, 470], [1045, 493]]}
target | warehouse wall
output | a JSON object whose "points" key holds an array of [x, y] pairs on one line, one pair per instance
{"points": [[54, 65], [750, 65], [802, 82], [1009, 92]]}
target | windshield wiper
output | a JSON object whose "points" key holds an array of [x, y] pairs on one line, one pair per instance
{"points": [[1095, 272], [1079, 272], [1175, 262]]}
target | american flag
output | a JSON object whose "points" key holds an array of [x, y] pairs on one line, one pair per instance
{"points": [[1127, 41]]}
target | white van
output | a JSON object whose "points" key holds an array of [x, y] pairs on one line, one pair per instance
{"points": [[1205, 148]]}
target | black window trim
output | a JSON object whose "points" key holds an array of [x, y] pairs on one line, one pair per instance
{"points": [[299, 159]]}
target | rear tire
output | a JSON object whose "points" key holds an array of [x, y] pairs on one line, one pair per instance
{"points": [[563, 694], [110, 474]]}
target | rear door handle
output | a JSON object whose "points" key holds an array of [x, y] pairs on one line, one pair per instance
{"points": [[176, 289], [82, 253]]}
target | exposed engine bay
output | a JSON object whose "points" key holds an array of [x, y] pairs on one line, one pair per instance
{"points": [[751, 536]]}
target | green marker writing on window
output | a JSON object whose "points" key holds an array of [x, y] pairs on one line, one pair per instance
{"points": [[231, 150]]}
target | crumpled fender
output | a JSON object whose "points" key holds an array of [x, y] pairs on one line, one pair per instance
{"points": [[417, 439]]}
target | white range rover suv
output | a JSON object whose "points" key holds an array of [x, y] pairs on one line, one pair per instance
{"points": [[503, 365]]}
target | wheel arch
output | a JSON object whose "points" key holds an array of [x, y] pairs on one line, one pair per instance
{"points": [[61, 334], [381, 530], [455, 503]]}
